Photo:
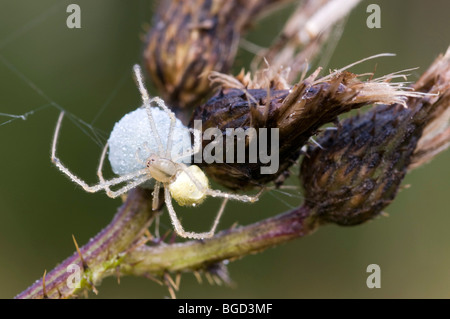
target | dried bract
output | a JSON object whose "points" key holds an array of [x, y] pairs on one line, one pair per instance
{"points": [[360, 166], [191, 38], [297, 113]]}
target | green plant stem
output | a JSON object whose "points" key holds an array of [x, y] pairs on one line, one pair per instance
{"points": [[101, 253], [227, 245], [116, 249]]}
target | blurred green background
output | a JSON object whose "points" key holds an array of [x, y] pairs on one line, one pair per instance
{"points": [[87, 71]]}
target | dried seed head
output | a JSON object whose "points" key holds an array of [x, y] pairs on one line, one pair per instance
{"points": [[361, 165], [305, 33], [436, 135], [297, 113], [191, 38], [231, 109], [187, 40]]}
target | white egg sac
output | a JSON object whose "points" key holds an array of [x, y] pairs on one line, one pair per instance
{"points": [[132, 140]]}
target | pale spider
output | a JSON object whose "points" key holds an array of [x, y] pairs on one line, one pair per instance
{"points": [[188, 185]]}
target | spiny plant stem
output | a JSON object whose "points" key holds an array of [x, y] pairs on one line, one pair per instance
{"points": [[115, 250], [227, 245], [101, 254]]}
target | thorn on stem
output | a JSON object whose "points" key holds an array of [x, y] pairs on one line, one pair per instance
{"points": [[171, 292], [148, 235], [59, 293], [44, 291], [172, 285], [153, 278], [94, 290], [198, 276], [85, 266], [171, 282], [166, 234], [118, 274], [209, 278], [178, 280], [173, 238]]}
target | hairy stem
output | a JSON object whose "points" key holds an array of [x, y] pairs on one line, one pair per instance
{"points": [[101, 254], [227, 245], [116, 250]]}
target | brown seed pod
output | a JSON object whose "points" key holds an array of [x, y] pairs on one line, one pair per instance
{"points": [[191, 38], [361, 165], [436, 136], [297, 113], [231, 109]]}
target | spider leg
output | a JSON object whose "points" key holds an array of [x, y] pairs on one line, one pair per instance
{"points": [[216, 220], [127, 187], [94, 188], [155, 202], [146, 100], [218, 193], [155, 205], [162, 105], [100, 167], [177, 224], [173, 216], [241, 198], [193, 150], [124, 189]]}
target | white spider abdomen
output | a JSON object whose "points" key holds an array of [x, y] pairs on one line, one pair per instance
{"points": [[132, 140], [184, 190]]}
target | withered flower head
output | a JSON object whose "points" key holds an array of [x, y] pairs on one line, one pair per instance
{"points": [[266, 101], [360, 166], [191, 38], [436, 135]]}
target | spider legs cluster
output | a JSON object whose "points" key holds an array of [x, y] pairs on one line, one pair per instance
{"points": [[188, 185]]}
